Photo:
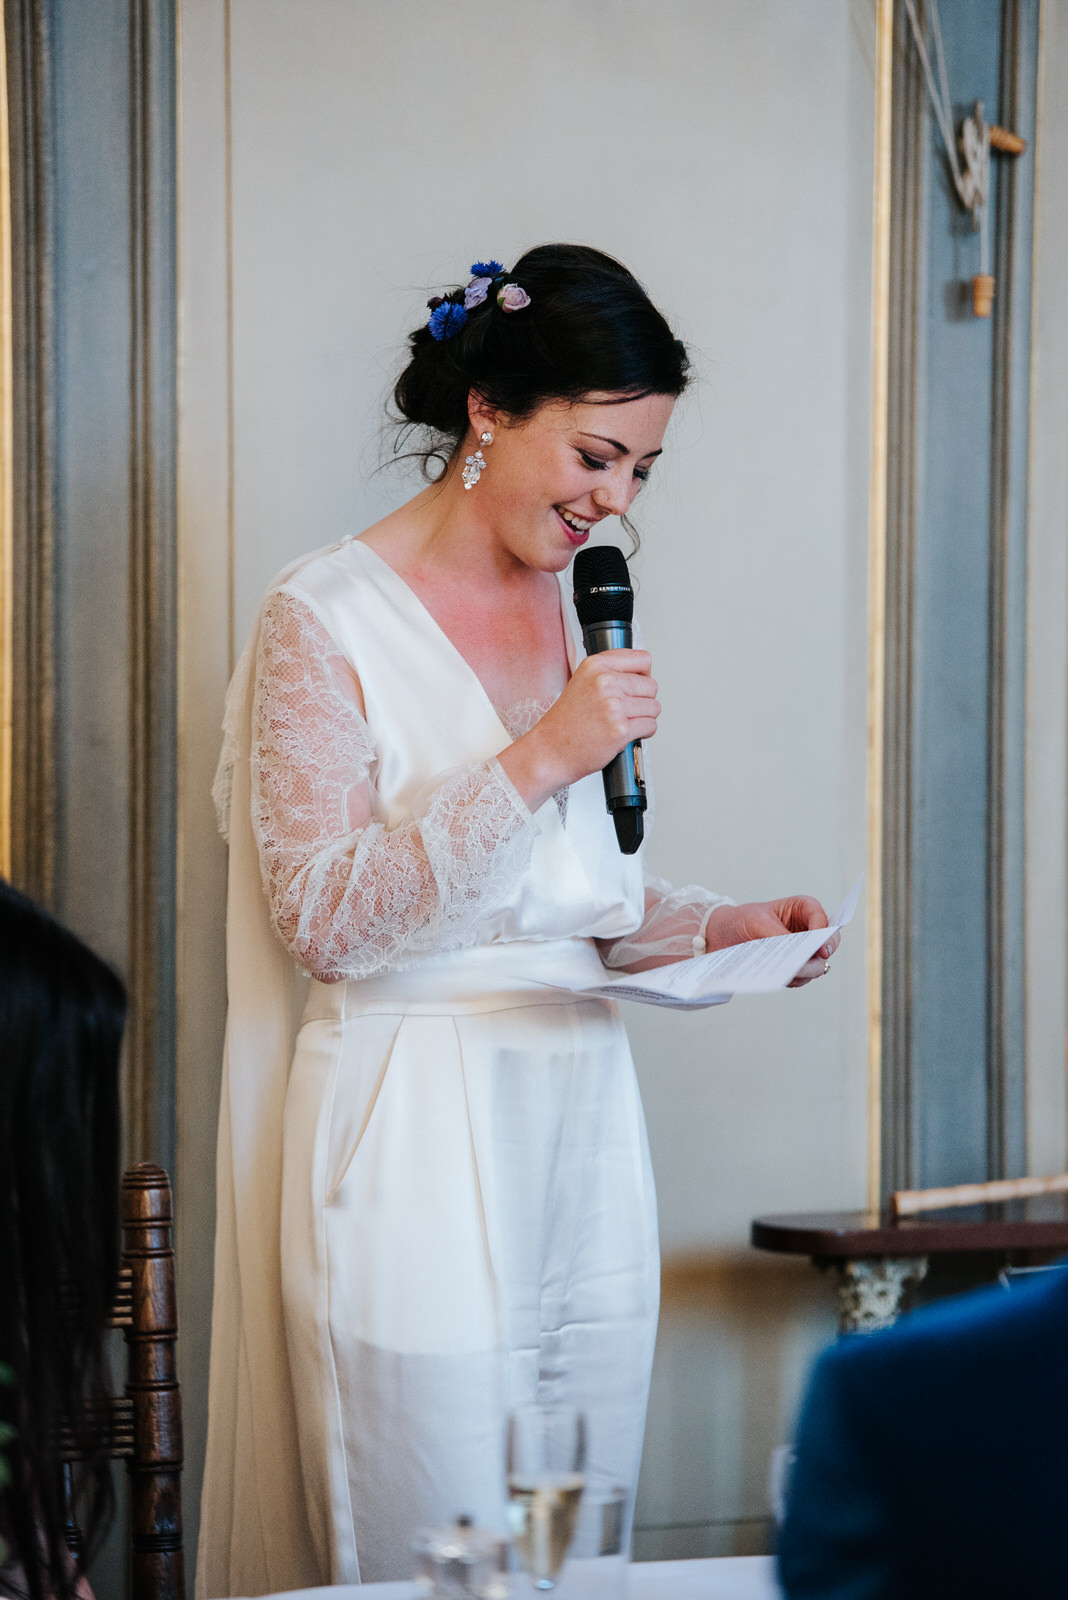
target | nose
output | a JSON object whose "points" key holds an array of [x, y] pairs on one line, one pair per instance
{"points": [[615, 492]]}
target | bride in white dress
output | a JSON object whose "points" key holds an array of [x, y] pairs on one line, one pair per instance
{"points": [[435, 1199]]}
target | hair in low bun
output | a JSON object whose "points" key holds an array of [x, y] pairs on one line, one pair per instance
{"points": [[590, 328]]}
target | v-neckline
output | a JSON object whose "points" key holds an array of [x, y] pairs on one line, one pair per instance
{"points": [[413, 600]]}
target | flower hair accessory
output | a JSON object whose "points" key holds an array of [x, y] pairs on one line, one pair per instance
{"points": [[510, 297], [476, 292], [446, 319], [448, 313]]}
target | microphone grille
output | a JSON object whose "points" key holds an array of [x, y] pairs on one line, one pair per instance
{"points": [[602, 585]]}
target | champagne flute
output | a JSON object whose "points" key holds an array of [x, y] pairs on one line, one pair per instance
{"points": [[546, 1459]]}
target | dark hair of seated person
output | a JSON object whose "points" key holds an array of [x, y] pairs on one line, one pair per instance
{"points": [[62, 1012]]}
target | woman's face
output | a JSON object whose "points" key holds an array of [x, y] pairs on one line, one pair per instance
{"points": [[550, 479]]}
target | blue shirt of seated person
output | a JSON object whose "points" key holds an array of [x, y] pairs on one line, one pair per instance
{"points": [[932, 1458]]}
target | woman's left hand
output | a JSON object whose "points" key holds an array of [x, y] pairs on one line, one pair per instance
{"points": [[761, 919]]}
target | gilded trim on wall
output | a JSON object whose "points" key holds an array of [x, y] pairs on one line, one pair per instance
{"points": [[880, 325], [7, 550]]}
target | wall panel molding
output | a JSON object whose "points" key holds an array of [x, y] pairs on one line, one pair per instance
{"points": [[153, 539], [93, 143], [955, 753], [908, 237], [92, 96], [32, 152], [6, 466], [1014, 228], [1047, 621]]}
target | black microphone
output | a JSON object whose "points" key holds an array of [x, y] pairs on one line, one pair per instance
{"points": [[604, 601]]}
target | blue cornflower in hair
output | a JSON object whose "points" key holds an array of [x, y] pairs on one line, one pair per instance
{"points": [[486, 269], [446, 319]]}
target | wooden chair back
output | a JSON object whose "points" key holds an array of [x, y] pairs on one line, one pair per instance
{"points": [[145, 1423]]}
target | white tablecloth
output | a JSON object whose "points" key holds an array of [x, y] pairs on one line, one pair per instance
{"points": [[728, 1578]]}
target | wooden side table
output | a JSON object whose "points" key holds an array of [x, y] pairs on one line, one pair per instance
{"points": [[876, 1258]]}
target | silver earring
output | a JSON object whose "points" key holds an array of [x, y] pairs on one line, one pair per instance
{"points": [[475, 466]]}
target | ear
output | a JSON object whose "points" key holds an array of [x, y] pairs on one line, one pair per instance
{"points": [[483, 417]]}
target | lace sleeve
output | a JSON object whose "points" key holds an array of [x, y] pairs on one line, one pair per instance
{"points": [[348, 896], [672, 929]]}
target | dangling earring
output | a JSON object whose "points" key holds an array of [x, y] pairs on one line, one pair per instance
{"points": [[475, 466]]}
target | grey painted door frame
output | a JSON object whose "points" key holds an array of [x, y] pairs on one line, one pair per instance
{"points": [[953, 1045], [93, 160]]}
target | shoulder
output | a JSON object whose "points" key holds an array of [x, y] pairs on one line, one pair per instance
{"points": [[299, 620], [305, 592], [987, 1328], [310, 575], [936, 1423]]}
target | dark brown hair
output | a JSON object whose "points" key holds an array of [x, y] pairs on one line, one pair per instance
{"points": [[61, 1021], [590, 328]]}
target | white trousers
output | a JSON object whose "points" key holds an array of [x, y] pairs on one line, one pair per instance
{"points": [[468, 1223]]}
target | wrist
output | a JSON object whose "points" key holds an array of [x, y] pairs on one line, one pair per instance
{"points": [[531, 770], [717, 929], [700, 938]]}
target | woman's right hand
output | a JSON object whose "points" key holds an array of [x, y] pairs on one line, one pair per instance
{"points": [[609, 700]]}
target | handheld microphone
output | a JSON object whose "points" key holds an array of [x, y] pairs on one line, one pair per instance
{"points": [[604, 601]]}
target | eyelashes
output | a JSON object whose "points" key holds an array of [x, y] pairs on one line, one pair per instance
{"points": [[597, 465]]}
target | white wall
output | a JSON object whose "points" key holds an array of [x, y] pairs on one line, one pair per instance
{"points": [[340, 160], [1047, 689]]}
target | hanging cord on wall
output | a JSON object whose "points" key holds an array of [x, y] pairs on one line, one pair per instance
{"points": [[972, 179], [972, 182], [939, 96]]}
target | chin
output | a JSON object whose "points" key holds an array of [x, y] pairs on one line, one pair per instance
{"points": [[557, 560], [547, 549], [545, 555]]}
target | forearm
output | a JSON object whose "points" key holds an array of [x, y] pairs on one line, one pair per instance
{"points": [[672, 929], [382, 899]]}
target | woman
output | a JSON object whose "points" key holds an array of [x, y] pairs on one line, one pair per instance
{"points": [[61, 1020], [438, 1203]]}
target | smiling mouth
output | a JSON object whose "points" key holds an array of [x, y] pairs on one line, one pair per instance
{"points": [[577, 526]]}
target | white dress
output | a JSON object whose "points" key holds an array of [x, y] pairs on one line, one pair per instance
{"points": [[435, 1199]]}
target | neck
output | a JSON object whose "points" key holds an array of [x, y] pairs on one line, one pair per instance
{"points": [[454, 534]]}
